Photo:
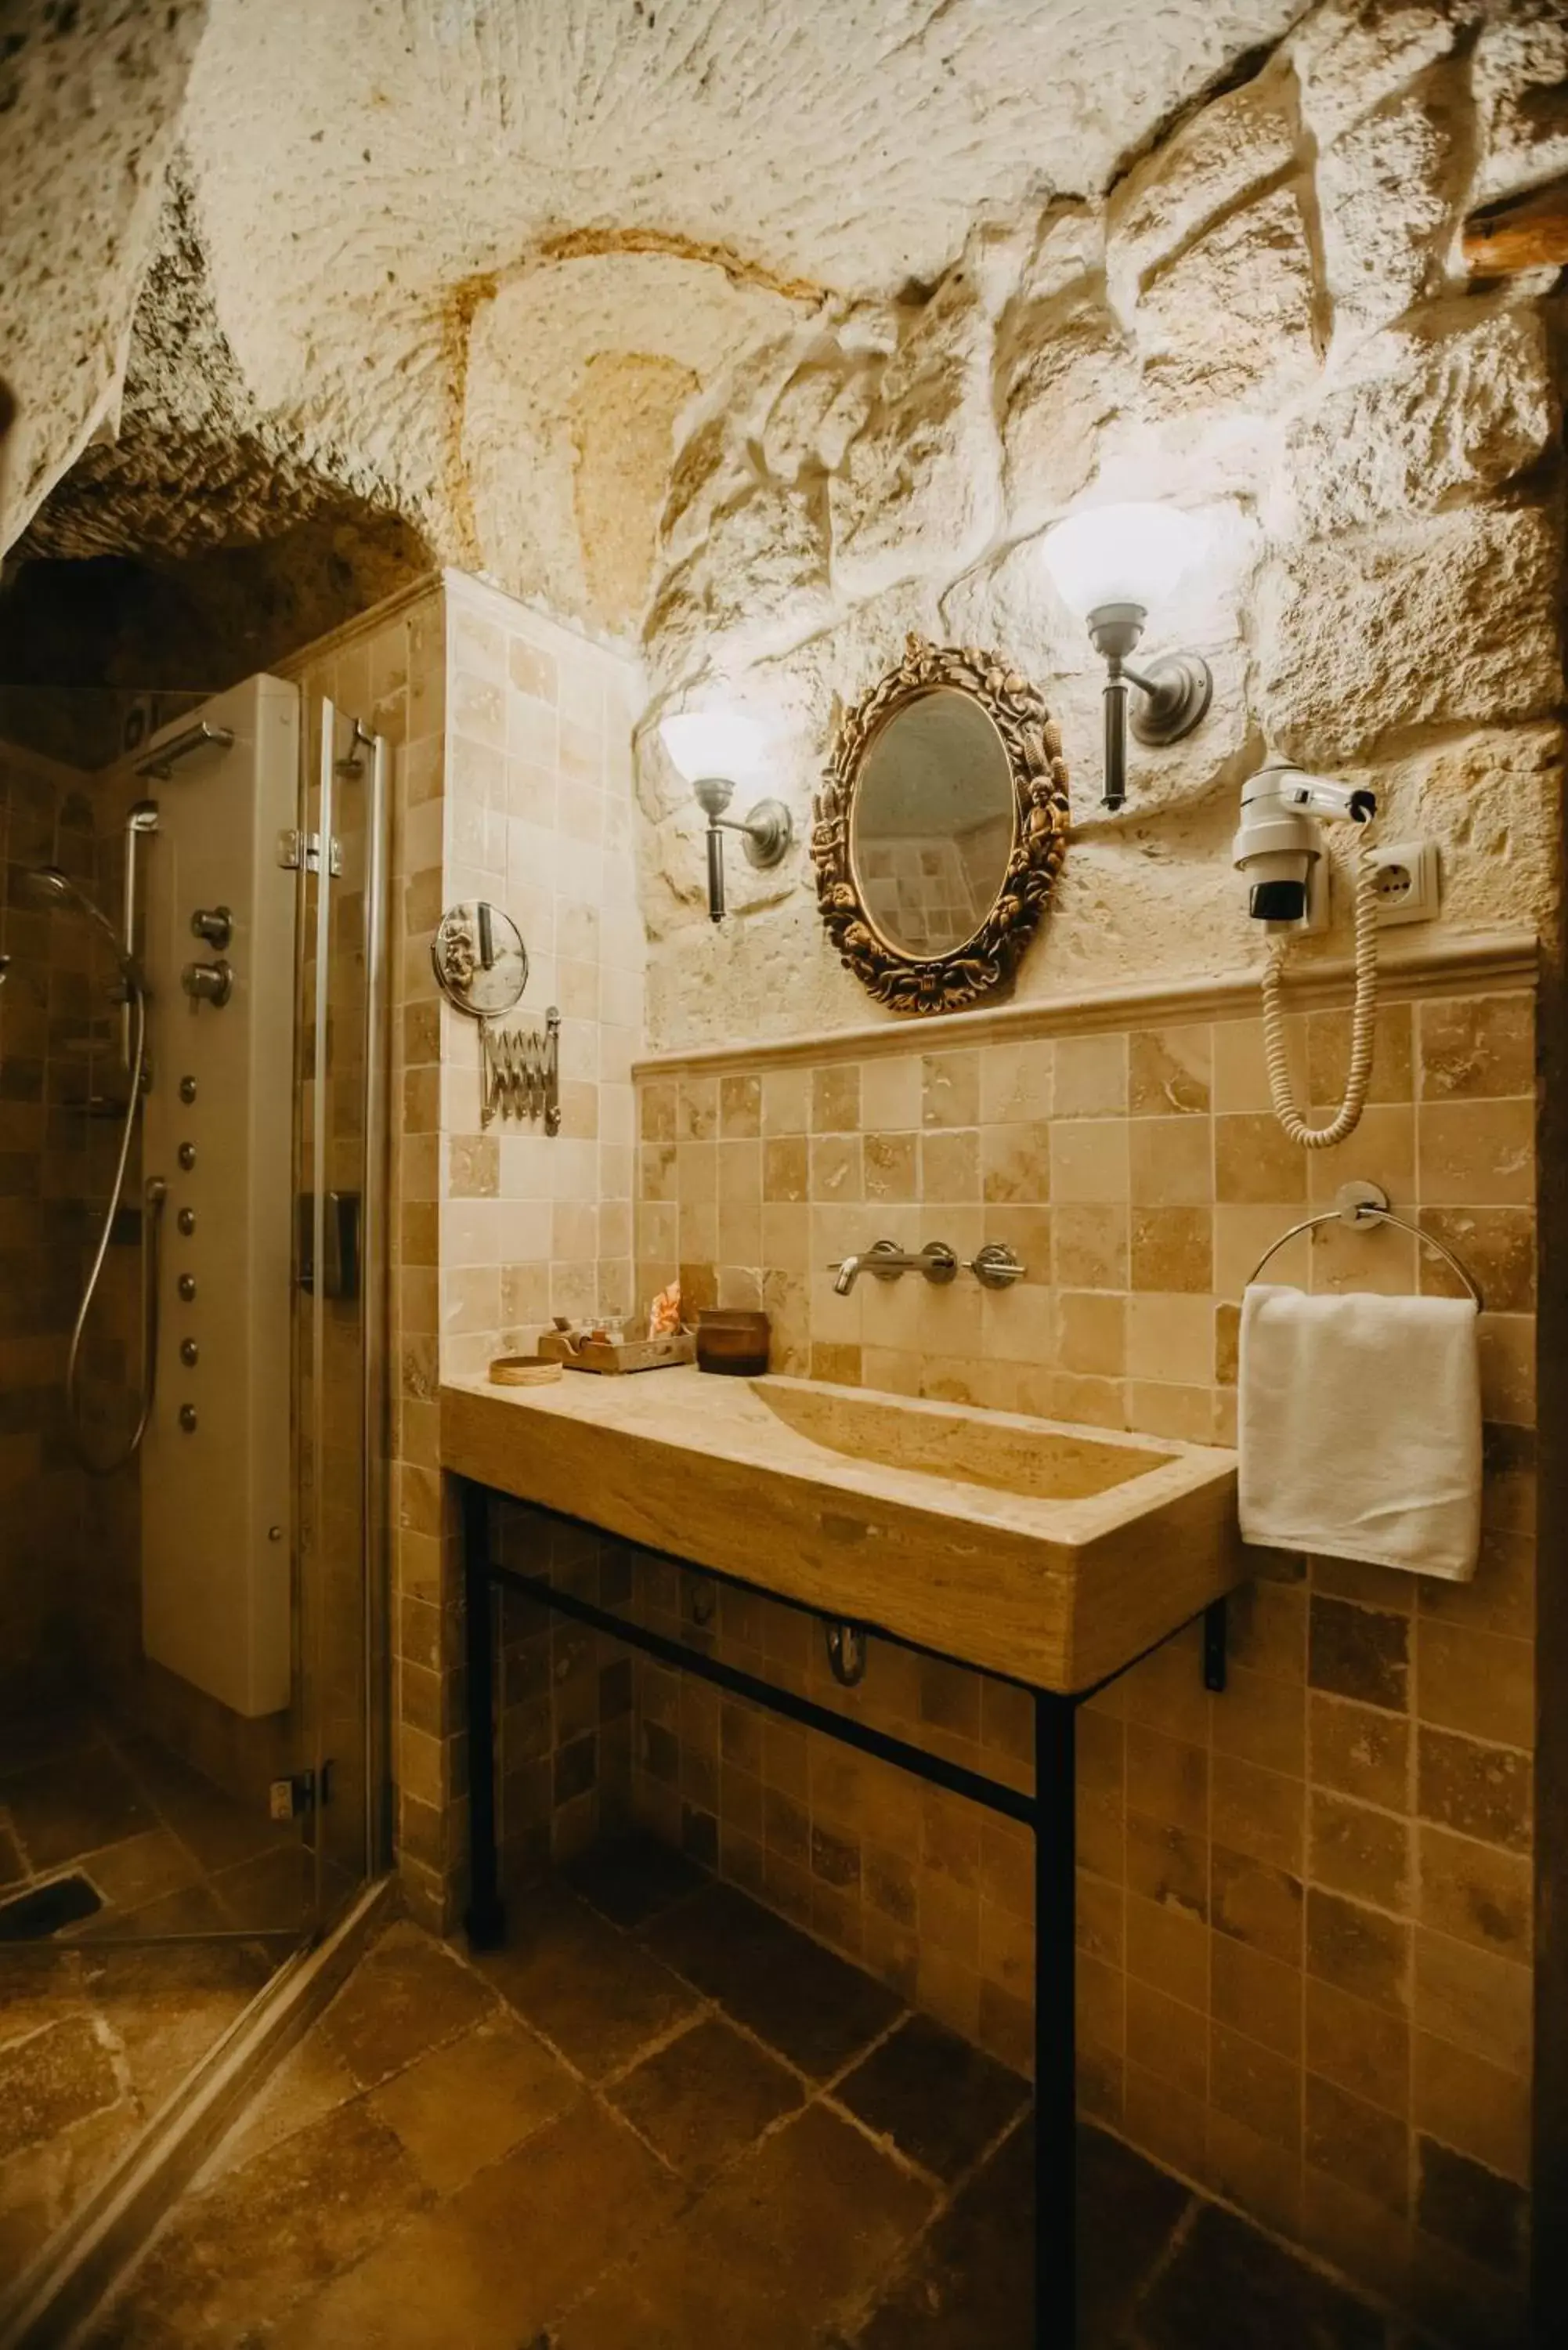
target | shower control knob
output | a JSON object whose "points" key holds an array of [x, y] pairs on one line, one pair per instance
{"points": [[214, 923], [208, 983], [187, 1154], [186, 1219], [190, 1353], [188, 1419], [187, 1090], [187, 1286]]}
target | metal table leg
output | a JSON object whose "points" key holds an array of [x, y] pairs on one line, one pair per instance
{"points": [[1055, 1950], [486, 1918]]}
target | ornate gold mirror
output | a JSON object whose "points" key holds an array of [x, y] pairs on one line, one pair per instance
{"points": [[941, 828]]}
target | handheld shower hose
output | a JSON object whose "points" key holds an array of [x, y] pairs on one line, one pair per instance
{"points": [[54, 888], [154, 1192]]}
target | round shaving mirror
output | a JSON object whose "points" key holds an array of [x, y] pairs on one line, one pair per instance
{"points": [[481, 962]]}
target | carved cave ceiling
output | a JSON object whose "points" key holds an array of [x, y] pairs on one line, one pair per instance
{"points": [[306, 295]]}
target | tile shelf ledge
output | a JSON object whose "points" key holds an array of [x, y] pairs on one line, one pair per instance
{"points": [[1472, 962]]}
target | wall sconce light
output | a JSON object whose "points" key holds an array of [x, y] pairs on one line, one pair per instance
{"points": [[1111, 564], [709, 748]]}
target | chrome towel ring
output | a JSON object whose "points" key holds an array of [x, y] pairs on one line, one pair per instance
{"points": [[1358, 1206]]}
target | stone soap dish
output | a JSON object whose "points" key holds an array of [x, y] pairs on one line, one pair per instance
{"points": [[523, 1371], [732, 1340]]}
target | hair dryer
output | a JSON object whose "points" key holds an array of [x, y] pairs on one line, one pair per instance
{"points": [[1283, 811], [1279, 839]]}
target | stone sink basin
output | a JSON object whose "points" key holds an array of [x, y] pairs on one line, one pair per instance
{"points": [[1040, 1459], [1052, 1553]]}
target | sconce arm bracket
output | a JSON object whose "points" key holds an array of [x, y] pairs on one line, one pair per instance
{"points": [[769, 828], [1177, 690]]}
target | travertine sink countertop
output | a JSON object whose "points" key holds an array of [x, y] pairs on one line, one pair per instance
{"points": [[1053, 1553]]}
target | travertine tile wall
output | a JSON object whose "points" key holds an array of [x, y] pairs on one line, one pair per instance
{"points": [[517, 787], [1305, 1904], [45, 818], [563, 1695], [539, 820], [71, 1558]]}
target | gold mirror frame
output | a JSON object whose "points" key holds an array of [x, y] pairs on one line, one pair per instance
{"points": [[1033, 742]]}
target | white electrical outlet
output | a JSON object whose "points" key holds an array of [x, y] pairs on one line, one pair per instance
{"points": [[1406, 881]]}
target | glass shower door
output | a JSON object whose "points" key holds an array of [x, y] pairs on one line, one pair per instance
{"points": [[192, 1771]]}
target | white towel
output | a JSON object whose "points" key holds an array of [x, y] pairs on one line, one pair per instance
{"points": [[1360, 1427]]}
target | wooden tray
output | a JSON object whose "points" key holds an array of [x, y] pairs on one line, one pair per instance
{"points": [[629, 1354]]}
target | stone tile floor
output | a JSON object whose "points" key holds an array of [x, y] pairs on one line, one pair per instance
{"points": [[93, 2037], [167, 1850], [663, 2120]]}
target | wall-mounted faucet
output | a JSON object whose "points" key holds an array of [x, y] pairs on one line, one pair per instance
{"points": [[995, 1267], [887, 1261]]}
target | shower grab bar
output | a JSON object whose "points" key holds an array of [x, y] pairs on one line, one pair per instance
{"points": [[1358, 1206], [161, 762]]}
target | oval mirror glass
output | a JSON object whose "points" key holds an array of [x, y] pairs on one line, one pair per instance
{"points": [[481, 962], [933, 824]]}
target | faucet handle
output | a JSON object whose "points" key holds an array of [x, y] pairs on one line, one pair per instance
{"points": [[996, 1267], [208, 983]]}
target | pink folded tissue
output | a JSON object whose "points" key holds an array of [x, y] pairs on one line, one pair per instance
{"points": [[1359, 1429], [664, 1313]]}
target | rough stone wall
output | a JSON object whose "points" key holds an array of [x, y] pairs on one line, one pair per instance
{"points": [[461, 266], [1264, 322], [90, 92]]}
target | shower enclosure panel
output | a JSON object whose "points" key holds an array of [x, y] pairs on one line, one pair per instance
{"points": [[340, 1385], [217, 1483]]}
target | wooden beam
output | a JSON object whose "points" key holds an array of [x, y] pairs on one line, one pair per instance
{"points": [[1528, 231]]}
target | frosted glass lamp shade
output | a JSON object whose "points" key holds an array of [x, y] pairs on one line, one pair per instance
{"points": [[1121, 554], [702, 743]]}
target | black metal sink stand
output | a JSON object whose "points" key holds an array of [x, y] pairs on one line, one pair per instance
{"points": [[1050, 1813]]}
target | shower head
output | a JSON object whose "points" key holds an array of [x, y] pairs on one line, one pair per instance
{"points": [[50, 887]]}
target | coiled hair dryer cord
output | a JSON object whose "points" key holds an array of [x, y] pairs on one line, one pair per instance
{"points": [[1363, 1026]]}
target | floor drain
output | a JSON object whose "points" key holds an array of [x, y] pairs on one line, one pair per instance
{"points": [[33, 1916]]}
